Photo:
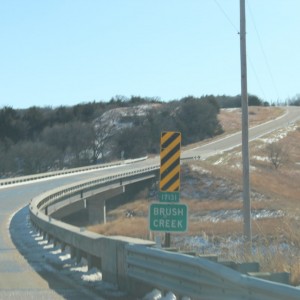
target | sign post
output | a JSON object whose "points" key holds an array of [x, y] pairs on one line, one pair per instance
{"points": [[169, 215]]}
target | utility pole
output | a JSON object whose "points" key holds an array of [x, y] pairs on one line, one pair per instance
{"points": [[245, 129]]}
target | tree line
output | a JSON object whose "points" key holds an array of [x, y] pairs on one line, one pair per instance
{"points": [[39, 139]]}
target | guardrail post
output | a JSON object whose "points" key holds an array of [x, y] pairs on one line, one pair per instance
{"points": [[90, 261], [49, 238], [73, 252], [63, 246], [93, 262], [78, 256], [55, 242]]}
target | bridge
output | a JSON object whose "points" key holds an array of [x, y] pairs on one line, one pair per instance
{"points": [[132, 264]]}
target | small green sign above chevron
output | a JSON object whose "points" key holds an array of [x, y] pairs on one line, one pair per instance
{"points": [[169, 196]]}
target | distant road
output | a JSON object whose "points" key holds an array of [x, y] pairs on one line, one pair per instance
{"points": [[18, 280], [228, 142]]}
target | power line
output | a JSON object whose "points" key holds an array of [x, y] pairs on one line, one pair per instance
{"points": [[237, 30], [226, 16], [256, 77], [263, 52]]}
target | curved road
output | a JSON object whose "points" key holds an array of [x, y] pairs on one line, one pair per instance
{"points": [[20, 279], [31, 278], [219, 145]]}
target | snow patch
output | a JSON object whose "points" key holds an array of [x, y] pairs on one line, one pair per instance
{"points": [[235, 215], [199, 169], [157, 295], [231, 109], [260, 158], [55, 251], [65, 257], [83, 269], [92, 276], [279, 134], [42, 242], [169, 296], [218, 162], [154, 295]]}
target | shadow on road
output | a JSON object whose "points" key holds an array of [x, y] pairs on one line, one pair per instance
{"points": [[70, 280]]}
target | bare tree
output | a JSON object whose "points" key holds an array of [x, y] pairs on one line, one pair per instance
{"points": [[277, 154], [104, 129], [32, 157], [73, 141]]}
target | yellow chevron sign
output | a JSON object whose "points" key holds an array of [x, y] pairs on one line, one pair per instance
{"points": [[170, 161]]}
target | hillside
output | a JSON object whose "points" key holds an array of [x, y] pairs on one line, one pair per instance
{"points": [[213, 191], [38, 140]]}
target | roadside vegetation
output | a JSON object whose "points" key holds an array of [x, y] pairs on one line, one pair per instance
{"points": [[212, 189], [37, 140]]}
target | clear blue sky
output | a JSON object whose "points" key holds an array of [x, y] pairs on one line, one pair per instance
{"points": [[65, 52]]}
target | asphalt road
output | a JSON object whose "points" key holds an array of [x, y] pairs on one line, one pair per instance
{"points": [[25, 275], [292, 115], [28, 277]]}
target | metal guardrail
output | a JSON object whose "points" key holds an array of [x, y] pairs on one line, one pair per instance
{"points": [[199, 278], [100, 251], [23, 179], [125, 260], [29, 178]]}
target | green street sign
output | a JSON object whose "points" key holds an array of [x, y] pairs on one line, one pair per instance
{"points": [[169, 196], [166, 217]]}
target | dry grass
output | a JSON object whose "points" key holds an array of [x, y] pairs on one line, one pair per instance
{"points": [[280, 190], [277, 239], [231, 119], [274, 252], [132, 227]]}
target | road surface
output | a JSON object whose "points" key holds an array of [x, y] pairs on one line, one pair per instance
{"points": [[219, 145], [25, 275], [28, 277]]}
